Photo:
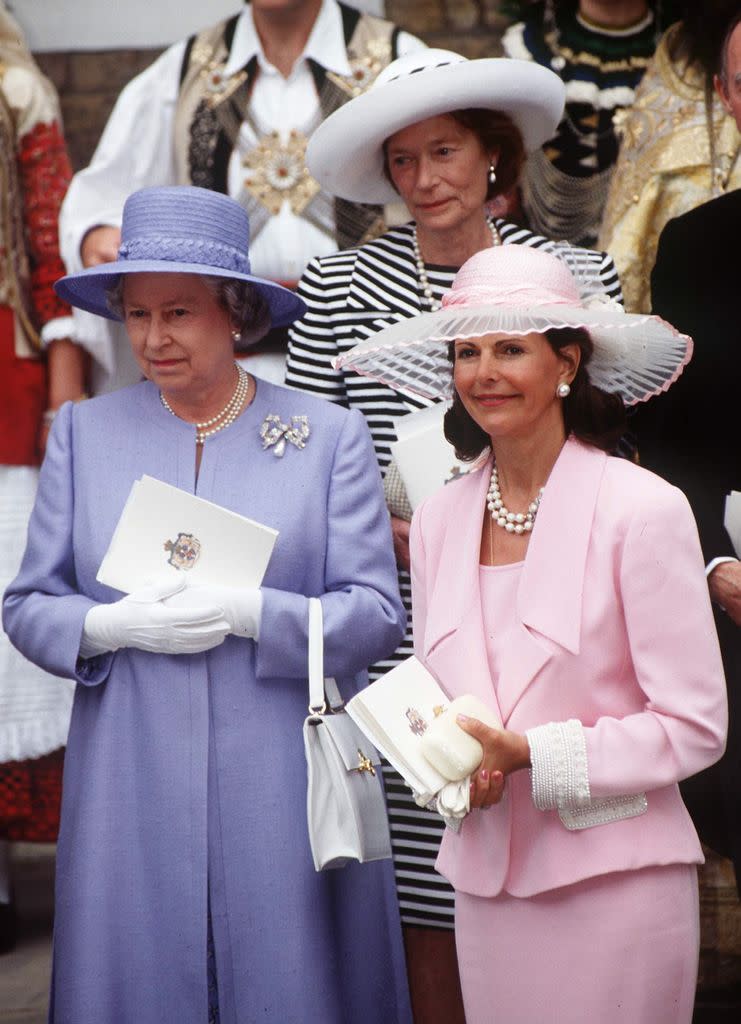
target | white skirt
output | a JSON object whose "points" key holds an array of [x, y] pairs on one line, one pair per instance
{"points": [[35, 707]]}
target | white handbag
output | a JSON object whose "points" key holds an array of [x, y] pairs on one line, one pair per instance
{"points": [[345, 805]]}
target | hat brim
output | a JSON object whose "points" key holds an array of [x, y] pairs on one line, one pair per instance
{"points": [[87, 289], [635, 355], [345, 153]]}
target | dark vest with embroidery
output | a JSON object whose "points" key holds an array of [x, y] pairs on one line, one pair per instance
{"points": [[212, 108]]}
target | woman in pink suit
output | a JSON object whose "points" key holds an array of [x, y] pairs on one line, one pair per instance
{"points": [[581, 617]]}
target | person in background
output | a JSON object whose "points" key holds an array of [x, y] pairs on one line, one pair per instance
{"points": [[40, 368], [565, 589], [600, 49], [231, 109], [690, 436], [679, 146], [448, 136], [185, 885]]}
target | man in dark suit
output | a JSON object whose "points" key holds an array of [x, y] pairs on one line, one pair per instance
{"points": [[692, 435]]}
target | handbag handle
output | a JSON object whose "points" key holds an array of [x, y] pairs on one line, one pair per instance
{"points": [[321, 691]]}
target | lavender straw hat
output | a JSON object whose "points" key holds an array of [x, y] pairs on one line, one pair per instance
{"points": [[179, 229]]}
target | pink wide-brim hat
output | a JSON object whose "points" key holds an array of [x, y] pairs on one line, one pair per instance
{"points": [[514, 289]]}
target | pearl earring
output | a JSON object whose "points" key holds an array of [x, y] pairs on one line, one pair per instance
{"points": [[492, 174], [236, 335], [563, 390]]}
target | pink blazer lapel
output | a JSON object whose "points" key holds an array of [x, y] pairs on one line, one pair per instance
{"points": [[550, 594], [454, 646], [549, 601], [549, 598]]}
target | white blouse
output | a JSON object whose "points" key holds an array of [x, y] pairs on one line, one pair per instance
{"points": [[136, 151]]}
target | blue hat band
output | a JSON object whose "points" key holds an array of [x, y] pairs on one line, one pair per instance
{"points": [[207, 253]]}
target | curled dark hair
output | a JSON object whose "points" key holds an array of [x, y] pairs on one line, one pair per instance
{"points": [[495, 131], [590, 414], [246, 306]]}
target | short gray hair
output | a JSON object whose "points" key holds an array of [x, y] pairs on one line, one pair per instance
{"points": [[246, 306], [114, 296]]}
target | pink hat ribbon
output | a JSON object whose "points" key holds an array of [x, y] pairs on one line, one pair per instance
{"points": [[513, 276]]}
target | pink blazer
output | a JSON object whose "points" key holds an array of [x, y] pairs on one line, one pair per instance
{"points": [[614, 628]]}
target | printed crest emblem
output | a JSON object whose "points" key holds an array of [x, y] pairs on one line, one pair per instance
{"points": [[416, 722], [184, 551]]}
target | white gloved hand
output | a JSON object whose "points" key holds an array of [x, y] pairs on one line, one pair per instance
{"points": [[141, 620], [241, 606]]}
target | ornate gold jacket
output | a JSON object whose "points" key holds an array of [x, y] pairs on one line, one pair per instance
{"points": [[677, 152], [212, 107]]}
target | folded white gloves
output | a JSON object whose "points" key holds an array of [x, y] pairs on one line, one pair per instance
{"points": [[453, 802], [241, 606], [143, 621]]}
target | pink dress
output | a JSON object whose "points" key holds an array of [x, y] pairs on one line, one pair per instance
{"points": [[620, 947]]}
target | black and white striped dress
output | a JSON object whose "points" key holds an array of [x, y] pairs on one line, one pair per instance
{"points": [[350, 296]]}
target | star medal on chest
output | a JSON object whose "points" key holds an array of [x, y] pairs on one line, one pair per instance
{"points": [[278, 171]]}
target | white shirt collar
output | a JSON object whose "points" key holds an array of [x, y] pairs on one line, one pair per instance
{"points": [[326, 42]]}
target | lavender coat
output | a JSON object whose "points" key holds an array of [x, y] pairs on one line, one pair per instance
{"points": [[187, 774]]}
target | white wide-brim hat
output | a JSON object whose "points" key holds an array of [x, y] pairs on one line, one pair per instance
{"points": [[345, 153], [514, 289]]}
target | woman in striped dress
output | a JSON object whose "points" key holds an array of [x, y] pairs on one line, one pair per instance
{"points": [[448, 136]]}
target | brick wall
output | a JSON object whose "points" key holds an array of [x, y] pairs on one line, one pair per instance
{"points": [[471, 27], [88, 83]]}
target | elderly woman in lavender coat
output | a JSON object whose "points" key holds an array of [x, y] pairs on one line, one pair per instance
{"points": [[184, 821]]}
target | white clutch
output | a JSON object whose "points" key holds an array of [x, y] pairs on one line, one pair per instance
{"points": [[450, 750]]}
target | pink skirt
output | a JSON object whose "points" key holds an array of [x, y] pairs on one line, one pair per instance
{"points": [[622, 947]]}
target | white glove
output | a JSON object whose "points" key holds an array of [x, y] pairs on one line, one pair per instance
{"points": [[453, 802], [141, 620], [241, 606]]}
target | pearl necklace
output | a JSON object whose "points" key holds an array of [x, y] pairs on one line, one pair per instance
{"points": [[424, 284], [227, 415], [512, 522]]}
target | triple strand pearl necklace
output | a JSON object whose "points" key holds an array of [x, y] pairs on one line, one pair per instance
{"points": [[207, 428], [512, 522], [424, 283]]}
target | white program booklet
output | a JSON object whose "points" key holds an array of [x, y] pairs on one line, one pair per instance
{"points": [[165, 532], [394, 712], [426, 460], [732, 520]]}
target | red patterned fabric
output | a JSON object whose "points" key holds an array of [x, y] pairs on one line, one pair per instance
{"points": [[22, 399], [45, 174], [30, 798], [35, 173]]}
